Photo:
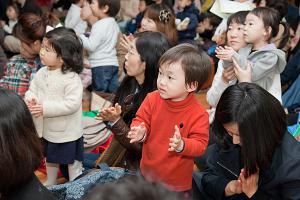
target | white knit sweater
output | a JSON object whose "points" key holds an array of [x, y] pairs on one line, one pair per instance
{"points": [[61, 97]]}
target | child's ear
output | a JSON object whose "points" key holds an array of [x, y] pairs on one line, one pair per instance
{"points": [[192, 86], [268, 32], [105, 9]]}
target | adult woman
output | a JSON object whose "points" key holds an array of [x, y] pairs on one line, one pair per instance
{"points": [[255, 157], [159, 18], [141, 67], [20, 151], [225, 75]]}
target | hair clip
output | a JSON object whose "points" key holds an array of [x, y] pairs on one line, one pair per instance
{"points": [[164, 16]]}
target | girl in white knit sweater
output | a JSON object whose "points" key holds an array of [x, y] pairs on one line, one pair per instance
{"points": [[55, 100]]}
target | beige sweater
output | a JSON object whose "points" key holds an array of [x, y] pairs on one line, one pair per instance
{"points": [[61, 97]]}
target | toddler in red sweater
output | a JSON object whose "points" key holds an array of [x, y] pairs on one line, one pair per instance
{"points": [[171, 122]]}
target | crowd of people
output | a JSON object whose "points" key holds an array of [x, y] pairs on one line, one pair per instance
{"points": [[151, 58]]}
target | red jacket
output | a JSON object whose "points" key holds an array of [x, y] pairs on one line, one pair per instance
{"points": [[160, 116]]}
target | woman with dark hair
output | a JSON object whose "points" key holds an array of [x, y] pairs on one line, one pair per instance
{"points": [[142, 69], [160, 18], [254, 157], [20, 151]]}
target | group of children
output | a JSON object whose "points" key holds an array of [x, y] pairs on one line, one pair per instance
{"points": [[171, 124]]}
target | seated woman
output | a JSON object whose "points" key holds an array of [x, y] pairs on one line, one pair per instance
{"points": [[142, 70], [20, 151], [254, 157]]}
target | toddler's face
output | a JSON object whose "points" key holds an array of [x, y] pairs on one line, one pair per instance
{"points": [[171, 82], [235, 36], [11, 13], [254, 30]]}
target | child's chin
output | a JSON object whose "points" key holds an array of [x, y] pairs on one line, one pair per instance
{"points": [[163, 96]]}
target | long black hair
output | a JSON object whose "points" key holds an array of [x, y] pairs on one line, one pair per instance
{"points": [[150, 46], [67, 46], [261, 123], [20, 147]]}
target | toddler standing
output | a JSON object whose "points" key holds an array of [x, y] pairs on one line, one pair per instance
{"points": [[171, 123], [55, 100]]}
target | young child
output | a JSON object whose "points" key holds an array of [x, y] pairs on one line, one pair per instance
{"points": [[55, 100], [73, 19], [12, 13], [267, 61], [189, 18], [171, 122], [101, 45]]}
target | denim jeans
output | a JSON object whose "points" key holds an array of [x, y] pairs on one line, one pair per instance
{"points": [[105, 79]]}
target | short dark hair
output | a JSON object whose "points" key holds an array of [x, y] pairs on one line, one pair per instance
{"points": [[238, 17], [280, 5], [20, 147], [261, 122], [114, 6], [133, 188], [195, 62], [270, 18], [67, 46]]}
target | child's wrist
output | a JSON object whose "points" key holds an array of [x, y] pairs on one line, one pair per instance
{"points": [[144, 137], [180, 148]]}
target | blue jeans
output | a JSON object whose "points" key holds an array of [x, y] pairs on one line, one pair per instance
{"points": [[105, 79]]}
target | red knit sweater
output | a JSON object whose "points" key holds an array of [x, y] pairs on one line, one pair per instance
{"points": [[160, 116]]}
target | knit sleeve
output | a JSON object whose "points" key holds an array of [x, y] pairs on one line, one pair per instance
{"points": [[197, 140], [144, 113]]}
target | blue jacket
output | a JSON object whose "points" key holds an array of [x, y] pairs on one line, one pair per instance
{"points": [[193, 14], [281, 181]]}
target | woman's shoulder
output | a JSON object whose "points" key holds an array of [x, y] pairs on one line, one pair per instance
{"points": [[286, 159]]}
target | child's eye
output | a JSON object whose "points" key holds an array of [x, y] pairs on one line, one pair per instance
{"points": [[159, 73], [170, 77]]}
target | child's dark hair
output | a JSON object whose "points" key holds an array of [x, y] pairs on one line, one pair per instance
{"points": [[133, 188], [67, 46], [196, 63], [270, 18], [280, 5], [114, 6], [285, 36], [238, 17], [164, 19]]}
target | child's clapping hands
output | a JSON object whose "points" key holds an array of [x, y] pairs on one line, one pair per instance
{"points": [[35, 108], [137, 133]]}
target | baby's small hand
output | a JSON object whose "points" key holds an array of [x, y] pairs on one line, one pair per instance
{"points": [[176, 142], [137, 133]]}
